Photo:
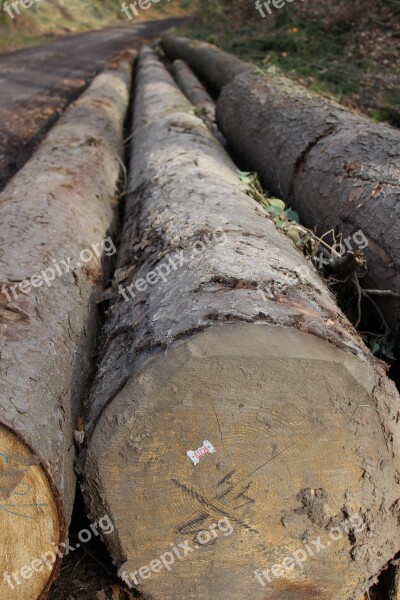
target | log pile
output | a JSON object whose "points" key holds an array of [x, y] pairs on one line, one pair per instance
{"points": [[236, 421], [337, 168], [239, 435]]}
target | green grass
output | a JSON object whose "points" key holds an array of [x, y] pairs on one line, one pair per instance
{"points": [[49, 18], [307, 50]]}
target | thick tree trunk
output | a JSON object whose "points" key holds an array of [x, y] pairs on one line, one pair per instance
{"points": [[337, 168], [213, 65], [55, 215], [222, 337]]}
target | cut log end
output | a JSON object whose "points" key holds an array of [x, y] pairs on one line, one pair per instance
{"points": [[30, 521], [245, 442]]}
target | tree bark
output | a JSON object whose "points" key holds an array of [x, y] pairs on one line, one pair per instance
{"points": [[210, 63], [336, 167], [56, 211], [197, 94], [193, 88], [394, 593], [223, 337]]}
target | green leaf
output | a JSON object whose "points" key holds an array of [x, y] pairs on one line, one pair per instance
{"points": [[375, 347], [292, 215], [279, 224], [273, 210], [278, 203], [388, 354]]}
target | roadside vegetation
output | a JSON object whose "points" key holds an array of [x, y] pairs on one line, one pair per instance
{"points": [[47, 19], [347, 50]]}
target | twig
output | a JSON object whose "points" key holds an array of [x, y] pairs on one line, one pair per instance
{"points": [[378, 310], [320, 240], [359, 296], [124, 171], [382, 293]]}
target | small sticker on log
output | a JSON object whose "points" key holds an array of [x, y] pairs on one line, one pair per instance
{"points": [[206, 448]]}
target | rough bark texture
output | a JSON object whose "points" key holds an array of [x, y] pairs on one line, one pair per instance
{"points": [[193, 88], [336, 167], [214, 66], [61, 203], [219, 348], [394, 593]]}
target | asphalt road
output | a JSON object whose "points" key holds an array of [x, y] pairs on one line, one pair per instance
{"points": [[37, 84]]}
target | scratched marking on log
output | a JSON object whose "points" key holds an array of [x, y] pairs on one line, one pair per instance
{"points": [[240, 500], [13, 489]]}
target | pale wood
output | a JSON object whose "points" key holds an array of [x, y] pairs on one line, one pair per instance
{"points": [[29, 519]]}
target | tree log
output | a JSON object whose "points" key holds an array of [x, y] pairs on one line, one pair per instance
{"points": [[193, 88], [210, 63], [56, 211], [336, 167], [229, 406], [197, 94]]}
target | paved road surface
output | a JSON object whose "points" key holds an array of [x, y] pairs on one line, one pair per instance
{"points": [[36, 84]]}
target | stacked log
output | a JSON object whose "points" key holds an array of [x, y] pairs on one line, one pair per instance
{"points": [[57, 217], [336, 167], [236, 421]]}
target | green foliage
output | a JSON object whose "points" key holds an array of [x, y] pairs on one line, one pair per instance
{"points": [[382, 345], [321, 45], [275, 207]]}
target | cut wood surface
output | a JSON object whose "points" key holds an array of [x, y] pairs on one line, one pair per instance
{"points": [[336, 167], [228, 406], [53, 214]]}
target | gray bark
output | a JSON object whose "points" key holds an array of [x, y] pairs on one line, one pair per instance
{"points": [[185, 194], [61, 203], [214, 66], [336, 167]]}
